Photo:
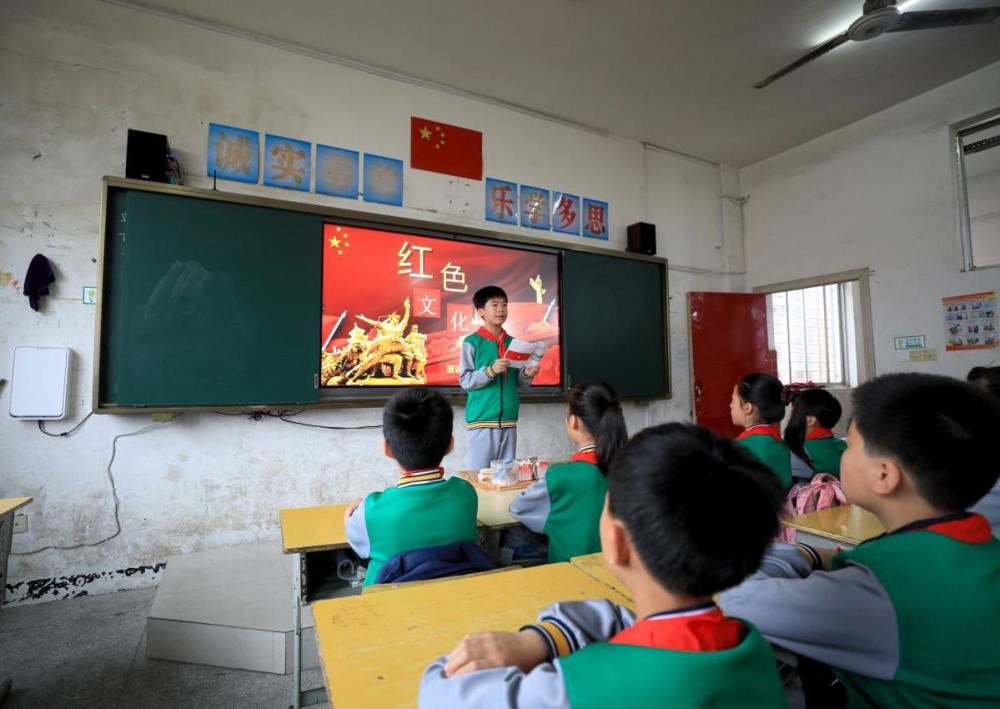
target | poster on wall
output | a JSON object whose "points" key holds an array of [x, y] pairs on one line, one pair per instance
{"points": [[970, 321], [397, 306]]}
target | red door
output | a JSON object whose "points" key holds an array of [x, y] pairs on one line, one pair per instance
{"points": [[728, 340]]}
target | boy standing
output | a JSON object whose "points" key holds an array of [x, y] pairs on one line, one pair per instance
{"points": [[423, 509], [909, 618], [659, 541], [493, 401]]}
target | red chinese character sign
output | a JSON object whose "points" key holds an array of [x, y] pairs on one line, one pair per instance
{"points": [[396, 307]]}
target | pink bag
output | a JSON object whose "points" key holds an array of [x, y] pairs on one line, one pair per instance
{"points": [[821, 492]]}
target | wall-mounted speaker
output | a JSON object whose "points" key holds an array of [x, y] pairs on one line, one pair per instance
{"points": [[146, 156], [642, 238]]}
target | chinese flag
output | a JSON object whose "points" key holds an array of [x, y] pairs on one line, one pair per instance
{"points": [[440, 147]]}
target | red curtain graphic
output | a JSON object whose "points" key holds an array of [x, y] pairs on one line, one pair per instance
{"points": [[396, 306]]}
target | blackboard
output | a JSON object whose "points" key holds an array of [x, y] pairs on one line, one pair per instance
{"points": [[208, 300], [615, 324]]}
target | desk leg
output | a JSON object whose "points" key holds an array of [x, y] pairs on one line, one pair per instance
{"points": [[297, 624]]}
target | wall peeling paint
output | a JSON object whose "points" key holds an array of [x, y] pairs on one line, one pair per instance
{"points": [[54, 589]]}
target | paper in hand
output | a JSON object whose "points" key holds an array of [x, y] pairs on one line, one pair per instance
{"points": [[524, 354]]}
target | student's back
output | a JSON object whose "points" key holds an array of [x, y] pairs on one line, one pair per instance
{"points": [[566, 505], [809, 435], [757, 406], [423, 509]]}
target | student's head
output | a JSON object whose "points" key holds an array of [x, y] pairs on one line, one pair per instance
{"points": [[920, 439], [986, 378], [811, 408], [667, 490], [491, 304], [594, 412], [757, 399], [416, 424]]}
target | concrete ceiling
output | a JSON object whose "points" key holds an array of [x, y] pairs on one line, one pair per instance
{"points": [[675, 73]]}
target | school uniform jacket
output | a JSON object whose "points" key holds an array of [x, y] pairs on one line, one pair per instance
{"points": [[824, 451], [423, 510], [764, 441], [566, 506], [600, 657], [910, 618], [493, 400]]}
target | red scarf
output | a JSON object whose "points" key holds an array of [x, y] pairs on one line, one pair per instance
{"points": [[501, 340], [764, 429], [587, 454], [818, 433], [700, 629]]}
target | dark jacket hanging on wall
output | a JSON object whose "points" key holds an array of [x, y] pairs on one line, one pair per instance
{"points": [[37, 280]]}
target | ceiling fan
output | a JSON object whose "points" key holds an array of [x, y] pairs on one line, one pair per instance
{"points": [[881, 16]]}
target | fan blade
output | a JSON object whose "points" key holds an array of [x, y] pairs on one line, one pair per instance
{"points": [[933, 19], [819, 51]]}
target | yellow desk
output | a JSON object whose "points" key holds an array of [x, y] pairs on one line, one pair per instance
{"points": [[305, 529], [844, 526], [375, 647], [8, 506], [593, 565], [308, 531]]}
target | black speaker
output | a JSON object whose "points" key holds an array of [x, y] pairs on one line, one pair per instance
{"points": [[642, 238], [146, 156]]}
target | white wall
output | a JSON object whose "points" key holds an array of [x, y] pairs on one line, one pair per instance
{"points": [[76, 75], [879, 193]]}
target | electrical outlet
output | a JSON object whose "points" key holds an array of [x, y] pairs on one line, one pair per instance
{"points": [[20, 523]]}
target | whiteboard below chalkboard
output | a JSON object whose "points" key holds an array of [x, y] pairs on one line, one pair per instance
{"points": [[39, 382]]}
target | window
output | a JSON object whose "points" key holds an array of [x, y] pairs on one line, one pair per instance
{"points": [[807, 333], [977, 150]]}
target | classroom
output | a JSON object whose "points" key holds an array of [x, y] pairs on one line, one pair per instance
{"points": [[194, 196]]}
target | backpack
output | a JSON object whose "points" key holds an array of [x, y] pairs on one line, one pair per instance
{"points": [[821, 492]]}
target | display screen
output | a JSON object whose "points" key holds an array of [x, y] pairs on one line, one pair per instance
{"points": [[397, 306]]}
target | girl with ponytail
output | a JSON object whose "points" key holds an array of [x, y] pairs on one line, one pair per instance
{"points": [[758, 405], [566, 505], [809, 434]]}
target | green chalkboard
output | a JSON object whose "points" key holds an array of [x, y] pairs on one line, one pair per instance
{"points": [[207, 303], [212, 300], [615, 322]]}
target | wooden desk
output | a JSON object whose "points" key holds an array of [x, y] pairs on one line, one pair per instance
{"points": [[844, 526], [305, 532], [8, 506], [593, 565], [305, 529], [375, 647]]}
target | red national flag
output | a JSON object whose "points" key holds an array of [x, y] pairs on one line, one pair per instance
{"points": [[440, 147]]}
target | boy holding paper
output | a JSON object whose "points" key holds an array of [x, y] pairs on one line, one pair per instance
{"points": [[493, 401]]}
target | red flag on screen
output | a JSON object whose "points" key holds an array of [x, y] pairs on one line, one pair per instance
{"points": [[440, 147]]}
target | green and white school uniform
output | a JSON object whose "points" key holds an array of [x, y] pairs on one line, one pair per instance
{"points": [[422, 510], [824, 451], [908, 619], [764, 441], [600, 656], [566, 506]]}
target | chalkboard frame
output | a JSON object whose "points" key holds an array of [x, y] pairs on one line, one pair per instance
{"points": [[372, 219]]}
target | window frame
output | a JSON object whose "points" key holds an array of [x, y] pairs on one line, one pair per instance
{"points": [[866, 343], [957, 131]]}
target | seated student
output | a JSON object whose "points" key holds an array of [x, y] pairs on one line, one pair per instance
{"points": [[910, 618], [423, 509], [661, 539], [988, 379], [758, 407], [566, 505], [809, 435]]}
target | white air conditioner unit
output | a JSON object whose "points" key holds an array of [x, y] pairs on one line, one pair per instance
{"points": [[39, 383]]}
